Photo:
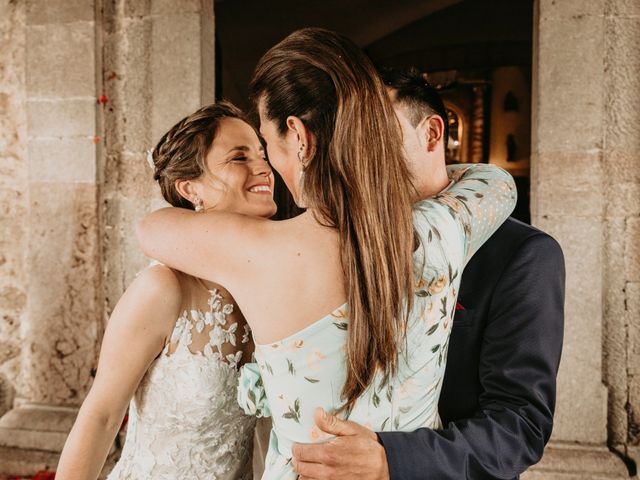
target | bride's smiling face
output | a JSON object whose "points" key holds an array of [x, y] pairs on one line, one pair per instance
{"points": [[238, 177]]}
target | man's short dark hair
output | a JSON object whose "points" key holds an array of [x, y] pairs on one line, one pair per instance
{"points": [[417, 95]]}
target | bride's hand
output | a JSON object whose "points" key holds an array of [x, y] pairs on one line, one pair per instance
{"points": [[354, 453]]}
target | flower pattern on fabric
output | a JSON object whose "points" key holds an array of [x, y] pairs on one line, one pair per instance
{"points": [[252, 397], [307, 369], [184, 420]]}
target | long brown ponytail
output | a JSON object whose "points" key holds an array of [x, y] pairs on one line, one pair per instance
{"points": [[357, 181]]}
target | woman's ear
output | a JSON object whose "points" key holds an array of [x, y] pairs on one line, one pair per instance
{"points": [[303, 137], [189, 190]]}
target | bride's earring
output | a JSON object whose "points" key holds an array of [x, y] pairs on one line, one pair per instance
{"points": [[198, 205]]}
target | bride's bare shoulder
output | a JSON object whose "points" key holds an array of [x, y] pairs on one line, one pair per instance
{"points": [[157, 288]]}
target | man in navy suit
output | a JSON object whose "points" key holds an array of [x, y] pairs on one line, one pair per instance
{"points": [[498, 393]]}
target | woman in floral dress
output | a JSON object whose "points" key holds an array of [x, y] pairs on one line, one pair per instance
{"points": [[349, 303]]}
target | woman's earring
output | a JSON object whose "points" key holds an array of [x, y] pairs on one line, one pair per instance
{"points": [[199, 205], [303, 167]]}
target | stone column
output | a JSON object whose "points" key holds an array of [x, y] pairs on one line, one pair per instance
{"points": [[103, 81], [621, 162], [158, 68], [13, 195], [572, 190], [59, 332]]}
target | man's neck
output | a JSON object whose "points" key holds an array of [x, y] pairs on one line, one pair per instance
{"points": [[432, 180]]}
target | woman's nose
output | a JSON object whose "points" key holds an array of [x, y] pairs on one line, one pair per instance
{"points": [[261, 168]]}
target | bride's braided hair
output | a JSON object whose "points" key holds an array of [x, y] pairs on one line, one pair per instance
{"points": [[181, 152]]}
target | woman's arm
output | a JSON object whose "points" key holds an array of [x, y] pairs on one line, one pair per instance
{"points": [[481, 198], [135, 335], [221, 247]]}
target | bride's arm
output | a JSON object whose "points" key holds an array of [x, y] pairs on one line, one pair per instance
{"points": [[135, 335], [219, 246]]}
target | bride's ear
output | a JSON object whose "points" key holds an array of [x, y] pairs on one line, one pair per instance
{"points": [[302, 136], [188, 190]]}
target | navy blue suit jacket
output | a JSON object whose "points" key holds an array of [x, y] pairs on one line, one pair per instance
{"points": [[499, 389]]}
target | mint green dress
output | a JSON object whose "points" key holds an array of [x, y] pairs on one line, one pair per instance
{"points": [[294, 376]]}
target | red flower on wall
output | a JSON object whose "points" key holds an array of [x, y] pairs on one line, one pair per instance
{"points": [[41, 475]]}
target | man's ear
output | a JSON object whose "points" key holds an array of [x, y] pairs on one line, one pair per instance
{"points": [[302, 135], [431, 131], [189, 190]]}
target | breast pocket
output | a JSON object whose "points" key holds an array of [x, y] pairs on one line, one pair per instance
{"points": [[463, 318]]}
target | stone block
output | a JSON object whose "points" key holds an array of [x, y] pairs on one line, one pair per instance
{"points": [[623, 40], [6, 395], [583, 417], [139, 8], [61, 60], [571, 8], [62, 118], [136, 177], [569, 103], [35, 427], [562, 461], [40, 12], [621, 167], [632, 299], [8, 350], [623, 7], [19, 462], [172, 7], [615, 328], [135, 92], [622, 108], [623, 200], [570, 169], [64, 319], [63, 159], [177, 86], [12, 298], [633, 409], [552, 199], [632, 250]]}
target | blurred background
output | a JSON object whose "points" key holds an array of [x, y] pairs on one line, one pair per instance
{"points": [[547, 89]]}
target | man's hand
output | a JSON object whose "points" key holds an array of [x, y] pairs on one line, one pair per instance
{"points": [[354, 453]]}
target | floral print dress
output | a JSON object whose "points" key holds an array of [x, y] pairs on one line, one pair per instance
{"points": [[294, 376]]}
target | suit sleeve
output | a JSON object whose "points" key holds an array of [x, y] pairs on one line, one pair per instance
{"points": [[519, 361]]}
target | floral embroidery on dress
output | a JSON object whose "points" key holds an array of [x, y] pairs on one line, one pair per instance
{"points": [[216, 319], [184, 420]]}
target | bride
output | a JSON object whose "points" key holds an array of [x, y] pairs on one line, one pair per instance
{"points": [[174, 344]]}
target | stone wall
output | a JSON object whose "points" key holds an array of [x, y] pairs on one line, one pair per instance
{"points": [[13, 193], [86, 87], [586, 192], [621, 252], [157, 68]]}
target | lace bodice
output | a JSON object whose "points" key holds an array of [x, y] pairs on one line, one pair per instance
{"points": [[184, 422]]}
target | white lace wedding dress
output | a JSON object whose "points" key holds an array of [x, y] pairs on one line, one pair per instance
{"points": [[184, 420]]}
